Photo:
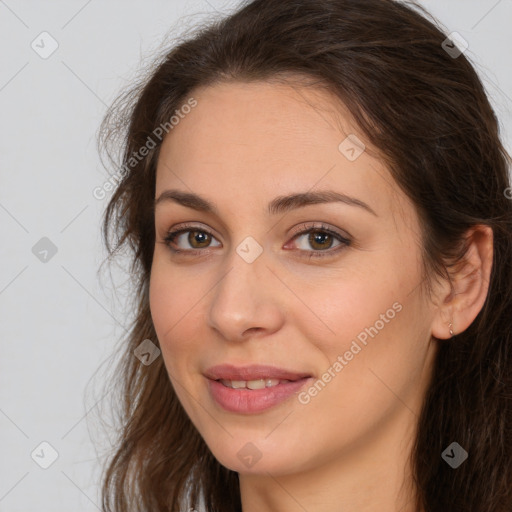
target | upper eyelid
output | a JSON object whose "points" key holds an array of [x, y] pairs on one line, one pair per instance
{"points": [[303, 228], [300, 230]]}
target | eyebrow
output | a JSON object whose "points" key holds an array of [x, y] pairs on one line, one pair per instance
{"points": [[280, 204]]}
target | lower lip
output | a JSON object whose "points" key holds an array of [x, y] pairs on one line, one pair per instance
{"points": [[252, 401]]}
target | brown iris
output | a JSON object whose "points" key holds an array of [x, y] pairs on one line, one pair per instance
{"points": [[200, 237], [319, 237]]}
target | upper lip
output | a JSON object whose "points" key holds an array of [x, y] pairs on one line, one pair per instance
{"points": [[252, 372]]}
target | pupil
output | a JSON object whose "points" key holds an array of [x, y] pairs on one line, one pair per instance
{"points": [[318, 238], [198, 237]]}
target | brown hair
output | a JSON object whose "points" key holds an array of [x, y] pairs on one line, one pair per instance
{"points": [[428, 115]]}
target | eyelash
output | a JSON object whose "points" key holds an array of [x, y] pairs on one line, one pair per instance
{"points": [[322, 228]]}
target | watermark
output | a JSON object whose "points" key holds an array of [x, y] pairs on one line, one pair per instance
{"points": [[352, 147], [454, 45], [44, 250], [249, 249], [305, 397], [44, 45], [454, 455], [44, 455], [158, 133], [249, 454], [146, 352]]}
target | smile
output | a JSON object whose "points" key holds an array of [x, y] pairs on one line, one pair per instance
{"points": [[252, 384], [253, 388]]}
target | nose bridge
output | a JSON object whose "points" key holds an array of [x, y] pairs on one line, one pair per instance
{"points": [[244, 298]]}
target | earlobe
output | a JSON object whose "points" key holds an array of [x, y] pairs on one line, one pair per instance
{"points": [[464, 299]]}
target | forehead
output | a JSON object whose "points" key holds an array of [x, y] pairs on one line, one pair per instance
{"points": [[263, 139]]}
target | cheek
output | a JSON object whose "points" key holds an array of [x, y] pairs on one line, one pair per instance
{"points": [[166, 312], [176, 302], [375, 324], [340, 309], [381, 349], [169, 314], [161, 303], [172, 297]]}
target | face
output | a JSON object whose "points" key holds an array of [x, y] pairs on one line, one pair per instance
{"points": [[294, 332]]}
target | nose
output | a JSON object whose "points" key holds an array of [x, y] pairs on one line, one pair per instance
{"points": [[248, 299]]}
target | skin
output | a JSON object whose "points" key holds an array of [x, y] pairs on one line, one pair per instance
{"points": [[348, 447]]}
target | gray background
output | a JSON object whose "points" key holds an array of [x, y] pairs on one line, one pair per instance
{"points": [[59, 320]]}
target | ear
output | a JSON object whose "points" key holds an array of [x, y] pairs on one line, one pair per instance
{"points": [[460, 302]]}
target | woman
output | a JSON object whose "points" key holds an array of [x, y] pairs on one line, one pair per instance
{"points": [[315, 198]]}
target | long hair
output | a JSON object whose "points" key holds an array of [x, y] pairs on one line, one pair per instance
{"points": [[426, 111]]}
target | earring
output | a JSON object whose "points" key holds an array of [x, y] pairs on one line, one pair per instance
{"points": [[451, 330]]}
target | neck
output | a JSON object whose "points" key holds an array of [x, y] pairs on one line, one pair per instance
{"points": [[374, 476]]}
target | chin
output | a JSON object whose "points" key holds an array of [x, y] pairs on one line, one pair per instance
{"points": [[256, 456]]}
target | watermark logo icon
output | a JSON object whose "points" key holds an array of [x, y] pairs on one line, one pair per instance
{"points": [[352, 147], [44, 455], [249, 249], [44, 45], [249, 454], [146, 352], [454, 455], [454, 45], [44, 250]]}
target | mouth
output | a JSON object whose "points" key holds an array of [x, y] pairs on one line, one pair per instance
{"points": [[252, 384], [253, 373], [252, 389]]}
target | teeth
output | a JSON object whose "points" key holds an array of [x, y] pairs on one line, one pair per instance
{"points": [[256, 384], [252, 384]]}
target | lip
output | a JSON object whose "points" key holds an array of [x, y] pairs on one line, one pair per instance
{"points": [[252, 372], [247, 401]]}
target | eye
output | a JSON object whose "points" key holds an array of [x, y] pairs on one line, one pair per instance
{"points": [[320, 237], [197, 239]]}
